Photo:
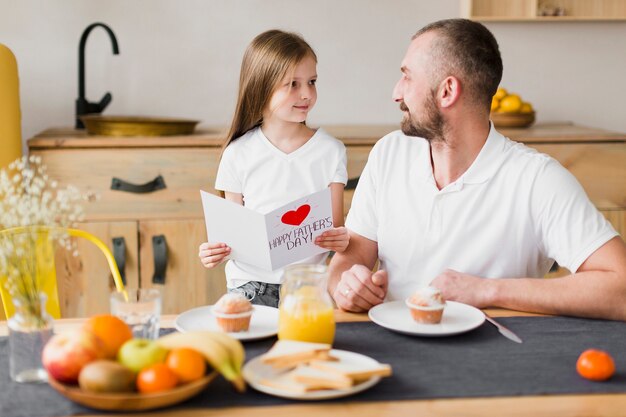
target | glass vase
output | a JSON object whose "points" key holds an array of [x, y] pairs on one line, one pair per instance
{"points": [[30, 328]]}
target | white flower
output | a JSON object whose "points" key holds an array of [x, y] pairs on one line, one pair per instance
{"points": [[29, 197]]}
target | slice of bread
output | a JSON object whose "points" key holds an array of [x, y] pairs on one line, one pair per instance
{"points": [[351, 370], [289, 363], [290, 353], [316, 379], [285, 382]]}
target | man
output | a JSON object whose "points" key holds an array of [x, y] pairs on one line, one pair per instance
{"points": [[451, 203]]}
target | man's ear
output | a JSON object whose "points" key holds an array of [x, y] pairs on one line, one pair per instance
{"points": [[449, 91]]}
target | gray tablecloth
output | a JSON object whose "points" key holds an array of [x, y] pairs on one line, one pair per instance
{"points": [[481, 363]]}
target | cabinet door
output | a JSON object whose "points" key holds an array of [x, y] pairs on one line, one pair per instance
{"points": [[85, 281], [187, 283]]}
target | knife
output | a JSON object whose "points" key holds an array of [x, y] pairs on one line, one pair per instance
{"points": [[504, 330]]}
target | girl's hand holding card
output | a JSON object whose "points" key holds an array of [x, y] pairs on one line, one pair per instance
{"points": [[335, 239], [213, 254]]}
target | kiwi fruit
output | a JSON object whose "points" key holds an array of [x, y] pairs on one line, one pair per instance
{"points": [[106, 376]]}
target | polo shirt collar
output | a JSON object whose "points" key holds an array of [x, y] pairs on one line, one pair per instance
{"points": [[484, 166], [488, 160]]}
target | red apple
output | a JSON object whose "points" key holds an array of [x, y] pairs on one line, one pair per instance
{"points": [[66, 354]]}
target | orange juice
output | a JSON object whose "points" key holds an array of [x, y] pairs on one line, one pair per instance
{"points": [[305, 317]]}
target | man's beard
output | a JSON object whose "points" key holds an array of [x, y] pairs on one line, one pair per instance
{"points": [[431, 127]]}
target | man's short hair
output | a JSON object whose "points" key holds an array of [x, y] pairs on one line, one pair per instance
{"points": [[468, 51]]}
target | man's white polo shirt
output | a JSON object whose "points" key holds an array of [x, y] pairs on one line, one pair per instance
{"points": [[511, 214]]}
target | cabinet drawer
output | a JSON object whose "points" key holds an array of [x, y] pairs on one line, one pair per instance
{"points": [[184, 171]]}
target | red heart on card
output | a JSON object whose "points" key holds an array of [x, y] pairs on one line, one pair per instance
{"points": [[296, 217]]}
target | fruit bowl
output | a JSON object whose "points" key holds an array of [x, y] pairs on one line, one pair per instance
{"points": [[501, 119], [130, 401]]}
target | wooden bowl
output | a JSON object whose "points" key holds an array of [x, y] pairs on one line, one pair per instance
{"points": [[137, 125], [131, 401], [512, 119]]}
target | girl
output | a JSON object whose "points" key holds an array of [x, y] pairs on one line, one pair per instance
{"points": [[272, 157]]}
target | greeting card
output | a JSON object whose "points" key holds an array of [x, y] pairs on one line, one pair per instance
{"points": [[271, 240]]}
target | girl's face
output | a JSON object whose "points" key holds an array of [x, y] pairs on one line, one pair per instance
{"points": [[295, 95]]}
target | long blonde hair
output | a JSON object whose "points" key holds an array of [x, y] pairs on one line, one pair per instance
{"points": [[265, 63]]}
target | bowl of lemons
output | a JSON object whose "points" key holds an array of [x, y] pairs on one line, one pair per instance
{"points": [[509, 110]]}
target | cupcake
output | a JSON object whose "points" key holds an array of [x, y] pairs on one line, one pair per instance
{"points": [[233, 312], [426, 305]]}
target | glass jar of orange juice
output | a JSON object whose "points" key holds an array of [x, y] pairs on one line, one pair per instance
{"points": [[306, 309]]}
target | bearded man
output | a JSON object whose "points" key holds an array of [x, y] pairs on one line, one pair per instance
{"points": [[450, 202]]}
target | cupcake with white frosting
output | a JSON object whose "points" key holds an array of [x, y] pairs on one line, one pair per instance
{"points": [[426, 305], [233, 312]]}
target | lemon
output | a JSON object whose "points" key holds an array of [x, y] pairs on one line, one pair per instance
{"points": [[495, 103], [500, 93], [526, 108], [511, 103]]}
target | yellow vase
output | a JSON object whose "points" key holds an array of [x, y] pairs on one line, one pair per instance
{"points": [[42, 258], [10, 116]]}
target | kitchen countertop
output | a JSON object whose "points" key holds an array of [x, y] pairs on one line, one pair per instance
{"points": [[351, 135]]}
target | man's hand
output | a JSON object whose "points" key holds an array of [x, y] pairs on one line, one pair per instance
{"points": [[464, 288], [212, 254], [359, 290], [336, 239]]}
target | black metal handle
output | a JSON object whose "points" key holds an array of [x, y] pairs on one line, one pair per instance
{"points": [[119, 254], [120, 185], [159, 251], [352, 183]]}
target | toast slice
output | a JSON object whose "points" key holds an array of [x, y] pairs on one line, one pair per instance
{"points": [[289, 353], [286, 364], [349, 370], [316, 379], [285, 382]]}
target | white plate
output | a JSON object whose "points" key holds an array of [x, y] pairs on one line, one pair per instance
{"points": [[255, 371], [264, 322], [457, 318]]}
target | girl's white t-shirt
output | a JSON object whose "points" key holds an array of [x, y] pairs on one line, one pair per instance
{"points": [[269, 178]]}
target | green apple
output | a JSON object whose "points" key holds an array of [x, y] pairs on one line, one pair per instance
{"points": [[136, 354]]}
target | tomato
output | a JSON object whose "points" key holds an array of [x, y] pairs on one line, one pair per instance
{"points": [[188, 364], [595, 365], [156, 378]]}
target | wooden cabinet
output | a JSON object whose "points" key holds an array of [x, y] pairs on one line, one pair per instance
{"points": [[148, 204], [543, 10], [178, 167]]}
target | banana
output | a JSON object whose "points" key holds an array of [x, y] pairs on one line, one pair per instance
{"points": [[238, 354], [217, 354]]}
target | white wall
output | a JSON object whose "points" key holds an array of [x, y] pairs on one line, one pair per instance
{"points": [[181, 58]]}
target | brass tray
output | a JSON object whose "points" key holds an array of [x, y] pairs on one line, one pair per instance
{"points": [[512, 119], [137, 125]]}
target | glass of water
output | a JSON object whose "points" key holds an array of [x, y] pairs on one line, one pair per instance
{"points": [[141, 311]]}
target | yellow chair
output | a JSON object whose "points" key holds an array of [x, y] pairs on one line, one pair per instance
{"points": [[10, 117], [45, 268]]}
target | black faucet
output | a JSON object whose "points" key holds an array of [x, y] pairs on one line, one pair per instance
{"points": [[82, 105]]}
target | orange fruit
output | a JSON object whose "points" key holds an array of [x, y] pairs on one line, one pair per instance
{"points": [[111, 330], [595, 365], [526, 108], [510, 104], [188, 364], [156, 378]]}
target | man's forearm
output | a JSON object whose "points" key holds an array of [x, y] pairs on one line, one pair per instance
{"points": [[597, 294], [341, 262]]}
